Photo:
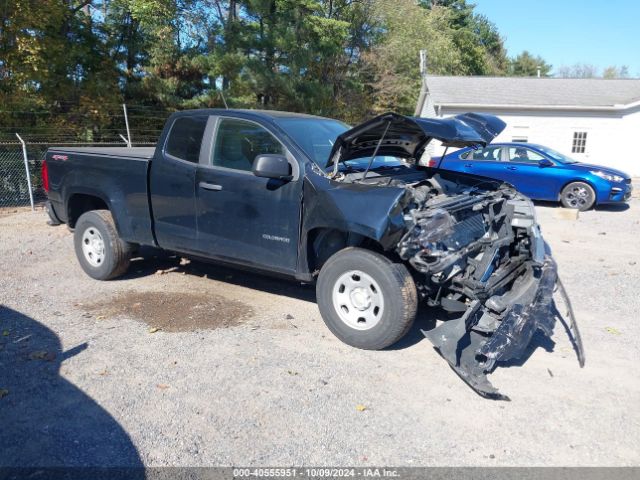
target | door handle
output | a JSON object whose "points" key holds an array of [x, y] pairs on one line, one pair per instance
{"points": [[210, 186], [468, 165], [512, 168]]}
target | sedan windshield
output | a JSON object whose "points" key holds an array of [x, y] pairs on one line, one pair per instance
{"points": [[557, 155], [379, 162], [315, 136]]}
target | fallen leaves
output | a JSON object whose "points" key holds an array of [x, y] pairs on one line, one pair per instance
{"points": [[612, 331], [361, 408], [154, 329], [162, 386]]}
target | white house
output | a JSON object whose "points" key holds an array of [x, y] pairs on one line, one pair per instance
{"points": [[591, 120]]}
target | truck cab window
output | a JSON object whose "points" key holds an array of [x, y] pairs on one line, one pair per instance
{"points": [[238, 142], [185, 138]]}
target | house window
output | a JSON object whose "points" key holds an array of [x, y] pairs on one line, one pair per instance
{"points": [[579, 142]]}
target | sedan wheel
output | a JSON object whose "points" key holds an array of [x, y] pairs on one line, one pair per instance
{"points": [[578, 195]]}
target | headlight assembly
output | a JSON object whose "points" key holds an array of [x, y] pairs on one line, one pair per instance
{"points": [[607, 176]]}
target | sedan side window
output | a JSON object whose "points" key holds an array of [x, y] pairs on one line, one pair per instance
{"points": [[239, 142], [524, 155], [491, 154]]}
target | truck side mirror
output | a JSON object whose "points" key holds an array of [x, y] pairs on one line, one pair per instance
{"points": [[272, 166], [545, 163]]}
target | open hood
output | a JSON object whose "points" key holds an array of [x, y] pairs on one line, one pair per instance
{"points": [[407, 137]]}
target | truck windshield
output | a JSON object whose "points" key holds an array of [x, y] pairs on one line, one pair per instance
{"points": [[314, 135]]}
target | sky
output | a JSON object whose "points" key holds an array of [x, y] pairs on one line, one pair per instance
{"points": [[565, 32]]}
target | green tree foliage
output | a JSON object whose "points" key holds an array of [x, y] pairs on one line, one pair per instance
{"points": [[391, 63], [616, 72], [527, 65], [69, 64]]}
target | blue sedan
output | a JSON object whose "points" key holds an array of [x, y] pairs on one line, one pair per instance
{"points": [[542, 173]]}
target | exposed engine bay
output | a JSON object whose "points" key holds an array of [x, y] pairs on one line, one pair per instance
{"points": [[473, 244], [479, 255]]}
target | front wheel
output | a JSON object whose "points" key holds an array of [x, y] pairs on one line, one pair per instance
{"points": [[365, 299], [578, 195], [102, 254]]}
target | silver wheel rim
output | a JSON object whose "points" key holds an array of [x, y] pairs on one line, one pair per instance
{"points": [[578, 196], [93, 246], [358, 300]]}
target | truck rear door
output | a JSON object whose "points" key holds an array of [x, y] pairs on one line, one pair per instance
{"points": [[172, 184]]}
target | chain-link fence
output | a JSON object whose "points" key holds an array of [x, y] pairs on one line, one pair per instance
{"points": [[14, 186]]}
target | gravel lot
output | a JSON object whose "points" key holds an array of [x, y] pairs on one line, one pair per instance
{"points": [[201, 365]]}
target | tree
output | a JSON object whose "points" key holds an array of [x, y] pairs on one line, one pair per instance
{"points": [[78, 60], [393, 62], [475, 36], [616, 72], [526, 65], [578, 70]]}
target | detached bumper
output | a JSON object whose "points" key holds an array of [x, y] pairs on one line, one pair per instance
{"points": [[501, 329]]}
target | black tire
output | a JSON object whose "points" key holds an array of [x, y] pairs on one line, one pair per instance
{"points": [[397, 289], [578, 195], [116, 253]]}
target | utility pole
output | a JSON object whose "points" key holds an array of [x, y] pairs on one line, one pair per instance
{"points": [[423, 86]]}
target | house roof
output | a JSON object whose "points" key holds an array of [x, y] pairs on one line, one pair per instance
{"points": [[513, 92]]}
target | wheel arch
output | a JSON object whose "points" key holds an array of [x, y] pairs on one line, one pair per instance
{"points": [[323, 242], [82, 202]]}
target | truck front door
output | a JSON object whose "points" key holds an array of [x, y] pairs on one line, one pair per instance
{"points": [[243, 218]]}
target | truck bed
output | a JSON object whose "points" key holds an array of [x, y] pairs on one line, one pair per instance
{"points": [[139, 153], [116, 175]]}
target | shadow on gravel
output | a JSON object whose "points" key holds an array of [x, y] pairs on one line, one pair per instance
{"points": [[45, 420], [425, 320], [614, 207], [152, 261]]}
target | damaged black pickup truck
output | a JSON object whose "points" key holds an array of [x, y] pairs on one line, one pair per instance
{"points": [[351, 209]]}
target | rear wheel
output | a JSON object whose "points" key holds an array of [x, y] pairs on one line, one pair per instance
{"points": [[100, 251], [365, 299], [578, 195]]}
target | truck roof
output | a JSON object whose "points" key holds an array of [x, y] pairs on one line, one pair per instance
{"points": [[268, 114]]}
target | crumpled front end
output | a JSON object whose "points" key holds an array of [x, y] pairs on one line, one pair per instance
{"points": [[480, 255]]}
